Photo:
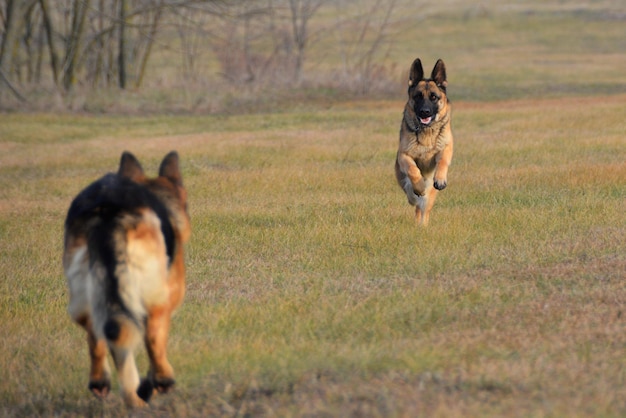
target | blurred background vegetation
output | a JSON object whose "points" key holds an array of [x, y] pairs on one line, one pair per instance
{"points": [[216, 56]]}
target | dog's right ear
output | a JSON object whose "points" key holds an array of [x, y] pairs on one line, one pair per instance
{"points": [[170, 168], [130, 167], [417, 72]]}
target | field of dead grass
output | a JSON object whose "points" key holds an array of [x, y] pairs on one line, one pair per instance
{"points": [[310, 290]]}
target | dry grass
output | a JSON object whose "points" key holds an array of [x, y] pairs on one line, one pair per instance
{"points": [[311, 292]]}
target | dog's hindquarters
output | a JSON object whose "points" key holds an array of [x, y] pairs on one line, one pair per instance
{"points": [[116, 261], [128, 270]]}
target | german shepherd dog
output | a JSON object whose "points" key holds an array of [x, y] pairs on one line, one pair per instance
{"points": [[425, 149], [123, 259]]}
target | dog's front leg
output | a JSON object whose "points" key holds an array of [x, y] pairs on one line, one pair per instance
{"points": [[410, 178], [444, 159]]}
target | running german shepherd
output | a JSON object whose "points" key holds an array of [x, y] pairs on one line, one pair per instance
{"points": [[124, 264], [425, 149]]}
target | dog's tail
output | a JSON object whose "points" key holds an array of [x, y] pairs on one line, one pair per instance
{"points": [[130, 262], [118, 311]]}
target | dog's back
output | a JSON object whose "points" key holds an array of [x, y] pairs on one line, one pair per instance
{"points": [[107, 215], [123, 261]]}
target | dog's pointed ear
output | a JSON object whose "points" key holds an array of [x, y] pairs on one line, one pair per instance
{"points": [[417, 72], [439, 74], [170, 168], [130, 167]]}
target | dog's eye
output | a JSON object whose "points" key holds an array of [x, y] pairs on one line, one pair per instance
{"points": [[433, 97]]}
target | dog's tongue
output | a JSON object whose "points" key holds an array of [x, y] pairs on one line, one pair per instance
{"points": [[426, 121]]}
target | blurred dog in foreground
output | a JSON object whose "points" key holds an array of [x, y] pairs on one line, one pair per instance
{"points": [[425, 149], [123, 259]]}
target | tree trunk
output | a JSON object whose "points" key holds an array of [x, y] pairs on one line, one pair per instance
{"points": [[15, 20], [153, 33], [121, 53], [74, 43], [301, 12], [47, 22]]}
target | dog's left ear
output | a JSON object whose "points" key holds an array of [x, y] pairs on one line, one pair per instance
{"points": [[439, 74], [170, 168], [130, 167]]}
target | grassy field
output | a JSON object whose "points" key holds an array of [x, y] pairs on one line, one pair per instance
{"points": [[311, 292]]}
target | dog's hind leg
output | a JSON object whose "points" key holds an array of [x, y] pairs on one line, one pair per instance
{"points": [[99, 374], [128, 375], [431, 195], [79, 279], [420, 206], [161, 373]]}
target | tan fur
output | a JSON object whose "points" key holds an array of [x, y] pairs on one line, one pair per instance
{"points": [[425, 151], [149, 284]]}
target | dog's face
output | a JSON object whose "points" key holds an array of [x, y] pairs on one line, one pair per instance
{"points": [[427, 102]]}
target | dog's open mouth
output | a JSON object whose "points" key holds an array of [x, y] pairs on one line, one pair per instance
{"points": [[426, 121]]}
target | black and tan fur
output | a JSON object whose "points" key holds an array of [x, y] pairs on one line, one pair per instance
{"points": [[123, 259], [426, 146]]}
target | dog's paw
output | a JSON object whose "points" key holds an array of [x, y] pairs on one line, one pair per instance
{"points": [[440, 184], [420, 188], [164, 384], [100, 388], [145, 390], [417, 201], [133, 400]]}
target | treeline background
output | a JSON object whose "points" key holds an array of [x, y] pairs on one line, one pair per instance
{"points": [[242, 55]]}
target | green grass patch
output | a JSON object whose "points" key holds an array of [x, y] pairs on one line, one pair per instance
{"points": [[311, 290]]}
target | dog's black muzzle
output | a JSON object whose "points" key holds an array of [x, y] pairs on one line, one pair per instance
{"points": [[425, 115]]}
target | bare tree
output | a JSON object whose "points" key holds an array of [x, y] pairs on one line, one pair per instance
{"points": [[15, 20], [362, 40], [153, 25], [237, 41], [73, 47], [47, 22], [190, 30], [121, 53], [265, 43], [301, 13]]}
